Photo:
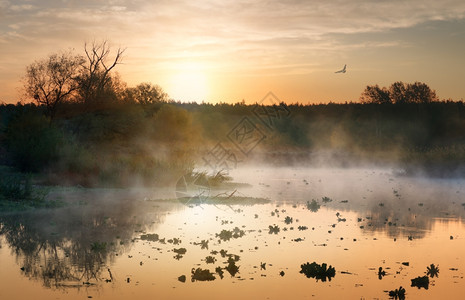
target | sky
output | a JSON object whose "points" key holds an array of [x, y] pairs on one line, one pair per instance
{"points": [[234, 50]]}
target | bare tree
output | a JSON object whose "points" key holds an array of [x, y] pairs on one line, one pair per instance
{"points": [[53, 80], [95, 77]]}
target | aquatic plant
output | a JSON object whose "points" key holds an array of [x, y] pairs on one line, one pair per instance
{"points": [[421, 282], [210, 259], [152, 237], [319, 272], [381, 273], [313, 206], [273, 229], [326, 199], [301, 228], [232, 268], [432, 271], [226, 235], [202, 275], [182, 278], [180, 251], [397, 293], [97, 246], [288, 220], [220, 272], [203, 244], [174, 241]]}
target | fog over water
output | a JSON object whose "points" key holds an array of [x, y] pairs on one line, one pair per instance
{"points": [[120, 244]]}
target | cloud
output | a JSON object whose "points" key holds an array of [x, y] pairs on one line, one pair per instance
{"points": [[231, 34]]}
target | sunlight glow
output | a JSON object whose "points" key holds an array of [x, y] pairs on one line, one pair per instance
{"points": [[189, 82]]}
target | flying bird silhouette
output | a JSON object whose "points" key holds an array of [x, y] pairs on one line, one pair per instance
{"points": [[342, 71]]}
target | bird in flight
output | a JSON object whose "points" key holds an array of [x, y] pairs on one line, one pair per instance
{"points": [[342, 71]]}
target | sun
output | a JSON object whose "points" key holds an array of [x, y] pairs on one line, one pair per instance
{"points": [[189, 83]]}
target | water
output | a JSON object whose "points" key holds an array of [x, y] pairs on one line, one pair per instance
{"points": [[103, 244]]}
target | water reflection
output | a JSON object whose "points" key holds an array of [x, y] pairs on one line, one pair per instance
{"points": [[72, 246], [164, 246]]}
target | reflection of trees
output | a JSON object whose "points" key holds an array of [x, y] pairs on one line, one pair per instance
{"points": [[409, 217], [72, 246]]}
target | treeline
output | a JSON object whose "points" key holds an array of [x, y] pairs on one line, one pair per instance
{"points": [[85, 126], [130, 143], [399, 93]]}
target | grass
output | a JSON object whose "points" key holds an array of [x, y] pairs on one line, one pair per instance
{"points": [[17, 192]]}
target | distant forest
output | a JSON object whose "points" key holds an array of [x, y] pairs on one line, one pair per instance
{"points": [[84, 126]]}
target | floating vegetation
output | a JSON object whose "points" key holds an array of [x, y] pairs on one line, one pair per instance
{"points": [[319, 272], [432, 271], [220, 272], [174, 241], [288, 220], [98, 247], [232, 268], [313, 206], [210, 259], [281, 273], [421, 282], [301, 228], [397, 293], [182, 278], [153, 237], [203, 244], [273, 229], [180, 251], [326, 199], [202, 275], [381, 273], [263, 266], [226, 235]]}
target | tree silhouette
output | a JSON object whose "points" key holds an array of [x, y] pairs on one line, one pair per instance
{"points": [[375, 94], [95, 77], [399, 93], [51, 81], [147, 93]]}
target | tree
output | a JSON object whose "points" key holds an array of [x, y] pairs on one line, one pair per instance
{"points": [[147, 93], [375, 94], [95, 77], [52, 81], [420, 92], [398, 92]]}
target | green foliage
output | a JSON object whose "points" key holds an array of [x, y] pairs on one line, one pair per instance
{"points": [[18, 193], [32, 142], [313, 206], [121, 144], [15, 187], [98, 246]]}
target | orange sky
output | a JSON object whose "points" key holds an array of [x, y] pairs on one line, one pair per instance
{"points": [[231, 50]]}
